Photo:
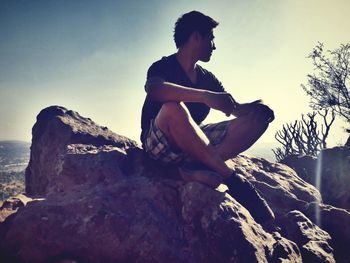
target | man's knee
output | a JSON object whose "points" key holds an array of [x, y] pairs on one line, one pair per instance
{"points": [[172, 111], [260, 125], [247, 124]]}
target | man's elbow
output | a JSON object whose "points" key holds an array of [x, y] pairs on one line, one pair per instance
{"points": [[150, 89], [153, 84]]}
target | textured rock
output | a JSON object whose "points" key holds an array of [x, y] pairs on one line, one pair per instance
{"points": [[140, 220], [104, 201], [312, 240], [304, 165], [330, 171], [336, 222], [12, 204], [280, 185], [247, 240], [55, 129], [335, 176]]}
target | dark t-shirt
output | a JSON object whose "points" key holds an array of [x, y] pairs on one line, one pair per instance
{"points": [[169, 69]]}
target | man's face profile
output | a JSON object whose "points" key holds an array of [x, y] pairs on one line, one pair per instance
{"points": [[207, 46]]}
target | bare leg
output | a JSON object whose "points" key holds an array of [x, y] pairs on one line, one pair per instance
{"points": [[176, 123], [242, 133]]}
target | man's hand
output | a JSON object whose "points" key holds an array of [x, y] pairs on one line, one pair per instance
{"points": [[256, 110], [221, 101]]}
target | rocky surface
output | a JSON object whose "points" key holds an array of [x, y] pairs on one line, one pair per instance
{"points": [[336, 222], [304, 165], [313, 241], [57, 128], [330, 170], [335, 176], [102, 200], [12, 204]]}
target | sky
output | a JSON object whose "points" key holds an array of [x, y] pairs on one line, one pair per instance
{"points": [[92, 56]]}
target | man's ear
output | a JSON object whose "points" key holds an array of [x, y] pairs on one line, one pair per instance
{"points": [[196, 36]]}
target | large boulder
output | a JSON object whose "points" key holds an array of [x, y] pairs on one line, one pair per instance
{"points": [[336, 221], [304, 165], [97, 198], [141, 220], [330, 172], [57, 128], [280, 184], [334, 176], [314, 242]]}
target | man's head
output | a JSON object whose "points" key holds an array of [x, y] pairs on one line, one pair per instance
{"points": [[197, 27]]}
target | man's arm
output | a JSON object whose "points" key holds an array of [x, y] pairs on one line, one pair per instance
{"points": [[159, 90]]}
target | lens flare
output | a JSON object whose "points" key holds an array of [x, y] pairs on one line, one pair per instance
{"points": [[318, 186]]}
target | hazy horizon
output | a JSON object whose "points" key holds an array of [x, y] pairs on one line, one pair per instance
{"points": [[92, 57]]}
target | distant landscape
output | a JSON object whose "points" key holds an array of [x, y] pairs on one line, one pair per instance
{"points": [[263, 150], [14, 158]]}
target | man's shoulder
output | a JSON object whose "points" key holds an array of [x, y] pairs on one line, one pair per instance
{"points": [[164, 60], [162, 67]]}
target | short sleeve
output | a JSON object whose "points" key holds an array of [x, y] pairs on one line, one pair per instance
{"points": [[157, 69], [155, 74]]}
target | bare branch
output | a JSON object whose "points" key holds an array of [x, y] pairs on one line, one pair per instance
{"points": [[304, 137]]}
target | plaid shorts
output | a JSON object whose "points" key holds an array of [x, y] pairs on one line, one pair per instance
{"points": [[158, 147]]}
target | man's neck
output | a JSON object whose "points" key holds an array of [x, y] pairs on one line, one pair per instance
{"points": [[187, 60]]}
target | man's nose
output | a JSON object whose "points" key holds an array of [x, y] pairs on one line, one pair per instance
{"points": [[213, 46]]}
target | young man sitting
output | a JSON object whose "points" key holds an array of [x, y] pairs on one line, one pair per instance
{"points": [[180, 94]]}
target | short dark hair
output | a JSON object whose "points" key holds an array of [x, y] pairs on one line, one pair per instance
{"points": [[191, 22]]}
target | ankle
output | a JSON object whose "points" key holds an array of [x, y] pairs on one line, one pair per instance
{"points": [[226, 172]]}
